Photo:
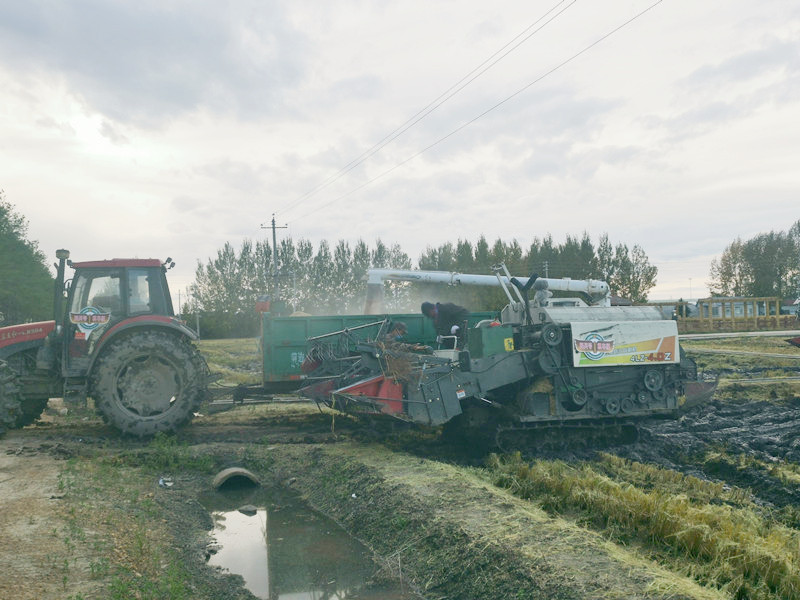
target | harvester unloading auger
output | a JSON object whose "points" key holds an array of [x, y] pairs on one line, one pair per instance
{"points": [[547, 361]]}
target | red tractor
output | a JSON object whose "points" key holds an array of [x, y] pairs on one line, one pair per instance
{"points": [[116, 340]]}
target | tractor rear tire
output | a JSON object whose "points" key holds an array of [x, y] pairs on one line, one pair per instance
{"points": [[148, 382], [10, 398]]}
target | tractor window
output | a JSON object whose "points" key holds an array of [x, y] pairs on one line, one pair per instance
{"points": [[100, 290], [139, 291], [145, 294]]}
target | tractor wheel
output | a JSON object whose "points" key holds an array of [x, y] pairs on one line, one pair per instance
{"points": [[10, 399], [149, 382]]}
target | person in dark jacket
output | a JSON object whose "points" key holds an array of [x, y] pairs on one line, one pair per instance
{"points": [[448, 319]]}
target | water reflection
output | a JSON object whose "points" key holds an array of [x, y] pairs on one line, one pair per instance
{"points": [[242, 548], [285, 551]]}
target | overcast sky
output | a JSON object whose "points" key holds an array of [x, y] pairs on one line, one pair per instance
{"points": [[168, 128]]}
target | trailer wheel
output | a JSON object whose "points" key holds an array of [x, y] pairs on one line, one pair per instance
{"points": [[148, 382], [10, 399]]}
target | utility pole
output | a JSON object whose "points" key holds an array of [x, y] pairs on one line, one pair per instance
{"points": [[274, 254], [546, 266]]}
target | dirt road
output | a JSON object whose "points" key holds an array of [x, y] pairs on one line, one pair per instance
{"points": [[34, 560]]}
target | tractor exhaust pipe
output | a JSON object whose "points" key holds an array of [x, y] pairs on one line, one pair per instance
{"points": [[58, 294]]}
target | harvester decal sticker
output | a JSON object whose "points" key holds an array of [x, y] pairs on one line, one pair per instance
{"points": [[624, 343], [89, 319], [593, 346]]}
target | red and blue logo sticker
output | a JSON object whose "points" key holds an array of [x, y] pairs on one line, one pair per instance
{"points": [[594, 347], [89, 319]]}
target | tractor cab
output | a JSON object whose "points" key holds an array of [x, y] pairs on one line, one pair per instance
{"points": [[107, 294]]}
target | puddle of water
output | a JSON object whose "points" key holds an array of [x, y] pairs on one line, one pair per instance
{"points": [[242, 548], [285, 551]]}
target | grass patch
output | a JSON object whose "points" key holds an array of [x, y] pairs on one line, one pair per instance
{"points": [[237, 361], [766, 344], [731, 390], [730, 547], [112, 512], [166, 453]]}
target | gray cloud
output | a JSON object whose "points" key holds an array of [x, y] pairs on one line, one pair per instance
{"points": [[51, 123], [111, 133], [148, 61], [701, 119], [775, 54]]}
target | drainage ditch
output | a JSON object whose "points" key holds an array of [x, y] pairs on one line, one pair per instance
{"points": [[284, 550]]}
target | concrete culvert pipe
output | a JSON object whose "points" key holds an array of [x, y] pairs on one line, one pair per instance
{"points": [[234, 475]]}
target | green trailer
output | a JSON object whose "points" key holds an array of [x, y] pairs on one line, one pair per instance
{"points": [[284, 339]]}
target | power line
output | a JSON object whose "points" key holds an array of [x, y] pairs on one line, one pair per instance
{"points": [[436, 103], [484, 113]]}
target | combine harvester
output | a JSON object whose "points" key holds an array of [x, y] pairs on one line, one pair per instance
{"points": [[572, 362]]}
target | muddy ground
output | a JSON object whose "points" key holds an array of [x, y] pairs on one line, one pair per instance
{"points": [[84, 515]]}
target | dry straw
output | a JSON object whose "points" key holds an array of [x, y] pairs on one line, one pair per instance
{"points": [[732, 548]]}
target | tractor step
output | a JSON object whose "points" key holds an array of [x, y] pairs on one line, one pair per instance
{"points": [[75, 391]]}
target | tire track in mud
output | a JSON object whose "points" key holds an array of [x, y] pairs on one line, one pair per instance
{"points": [[765, 431]]}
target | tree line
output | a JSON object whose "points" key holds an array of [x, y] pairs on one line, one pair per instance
{"points": [[26, 285], [320, 281], [330, 279], [767, 264]]}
